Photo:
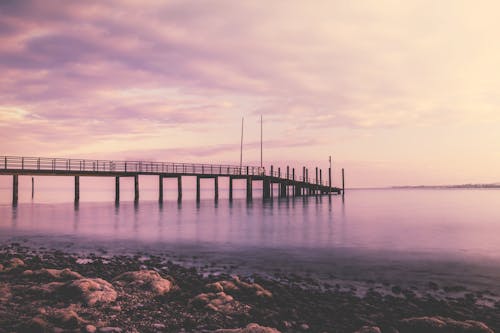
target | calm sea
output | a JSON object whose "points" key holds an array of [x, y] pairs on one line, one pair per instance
{"points": [[403, 236]]}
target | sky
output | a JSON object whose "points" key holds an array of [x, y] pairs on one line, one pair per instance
{"points": [[398, 93]]}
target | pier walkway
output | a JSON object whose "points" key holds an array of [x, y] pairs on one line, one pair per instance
{"points": [[288, 182]]}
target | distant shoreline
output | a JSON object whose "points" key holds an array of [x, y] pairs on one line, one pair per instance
{"points": [[431, 187]]}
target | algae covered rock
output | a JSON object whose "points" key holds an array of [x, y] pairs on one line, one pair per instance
{"points": [[150, 280]]}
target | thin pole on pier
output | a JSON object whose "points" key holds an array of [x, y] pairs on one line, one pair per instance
{"points": [[330, 172], [241, 144], [316, 175], [32, 187], [261, 141]]}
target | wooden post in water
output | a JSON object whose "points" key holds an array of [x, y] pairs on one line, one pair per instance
{"points": [[266, 188], [117, 189], [249, 188], [316, 181], [15, 189], [272, 175], [179, 188], [287, 172], [230, 188], [32, 187], [216, 188], [136, 188], [279, 172], [321, 176], [343, 184], [77, 189], [160, 188], [197, 188]]}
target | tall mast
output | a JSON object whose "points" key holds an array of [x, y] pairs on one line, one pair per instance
{"points": [[261, 141], [241, 146]]}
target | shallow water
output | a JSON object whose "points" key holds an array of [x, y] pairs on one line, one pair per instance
{"points": [[402, 236]]}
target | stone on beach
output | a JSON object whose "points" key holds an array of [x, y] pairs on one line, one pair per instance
{"points": [[5, 293], [237, 285], [441, 325], [219, 302], [250, 328], [67, 318], [151, 280], [369, 329], [93, 291], [54, 274], [11, 264]]}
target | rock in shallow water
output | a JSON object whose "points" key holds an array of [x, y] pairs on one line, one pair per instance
{"points": [[441, 325], [151, 280]]}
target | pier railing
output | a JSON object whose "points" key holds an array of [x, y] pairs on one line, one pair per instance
{"points": [[143, 167]]}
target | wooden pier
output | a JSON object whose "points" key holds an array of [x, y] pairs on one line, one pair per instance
{"points": [[288, 184]]}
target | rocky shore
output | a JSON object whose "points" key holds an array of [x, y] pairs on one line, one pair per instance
{"points": [[53, 291]]}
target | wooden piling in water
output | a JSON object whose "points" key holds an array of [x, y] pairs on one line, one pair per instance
{"points": [[230, 188], [117, 189], [249, 188], [179, 188], [216, 188], [197, 188], [321, 176], [77, 188], [266, 189], [32, 187], [136, 188], [160, 188], [15, 189], [287, 172], [316, 180]]}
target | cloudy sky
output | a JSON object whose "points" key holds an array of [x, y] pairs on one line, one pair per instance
{"points": [[397, 92]]}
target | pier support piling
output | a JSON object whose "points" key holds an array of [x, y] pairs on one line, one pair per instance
{"points": [[230, 188], [249, 188], [197, 188], [77, 189], [32, 187], [160, 188], [136, 188], [15, 189], [216, 188], [117, 189], [179, 188], [266, 189]]}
